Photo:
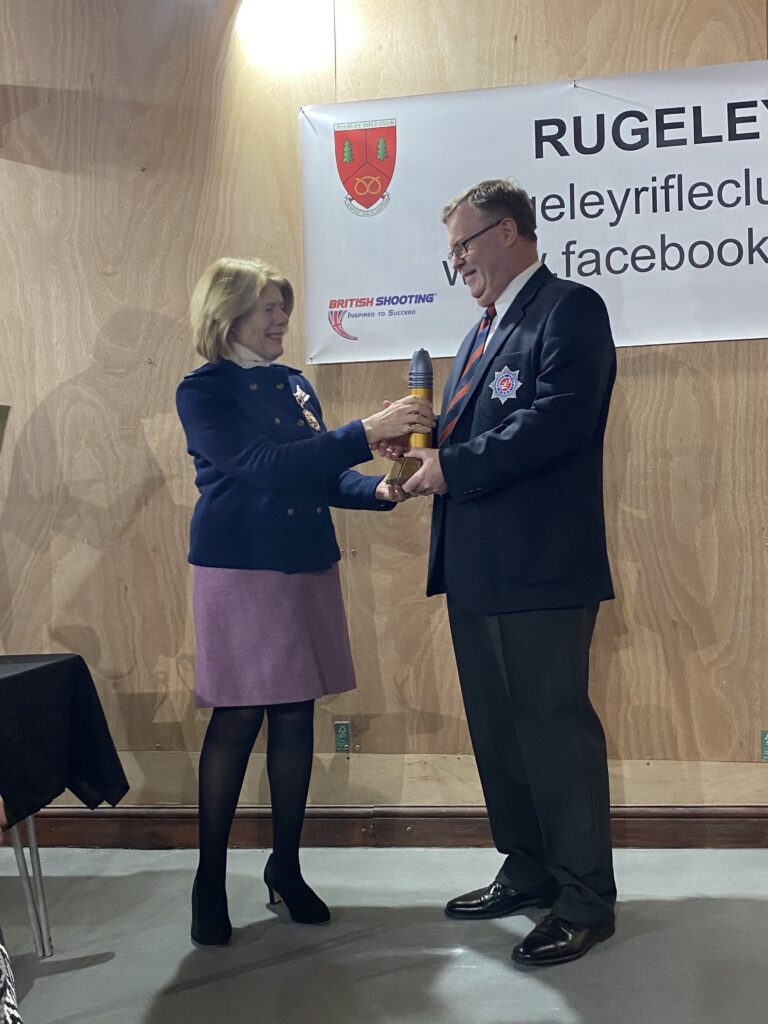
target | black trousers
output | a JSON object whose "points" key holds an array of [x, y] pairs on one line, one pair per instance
{"points": [[540, 751]]}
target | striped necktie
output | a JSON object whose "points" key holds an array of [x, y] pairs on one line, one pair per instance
{"points": [[451, 414]]}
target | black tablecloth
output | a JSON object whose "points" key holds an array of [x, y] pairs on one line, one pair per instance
{"points": [[53, 735]]}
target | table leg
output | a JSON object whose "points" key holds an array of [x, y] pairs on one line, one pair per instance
{"points": [[37, 877], [29, 897]]}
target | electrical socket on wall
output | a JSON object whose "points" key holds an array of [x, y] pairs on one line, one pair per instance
{"points": [[342, 735]]}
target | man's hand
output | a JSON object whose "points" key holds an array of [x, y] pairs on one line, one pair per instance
{"points": [[429, 479]]}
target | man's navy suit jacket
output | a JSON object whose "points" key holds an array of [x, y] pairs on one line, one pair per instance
{"points": [[522, 525]]}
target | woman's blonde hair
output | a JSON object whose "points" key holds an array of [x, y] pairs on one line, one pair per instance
{"points": [[228, 290]]}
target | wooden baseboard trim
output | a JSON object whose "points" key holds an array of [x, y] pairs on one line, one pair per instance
{"points": [[158, 828]]}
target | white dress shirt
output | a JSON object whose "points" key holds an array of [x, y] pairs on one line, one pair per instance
{"points": [[509, 294]]}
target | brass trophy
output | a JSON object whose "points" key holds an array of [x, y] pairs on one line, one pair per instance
{"points": [[420, 384]]}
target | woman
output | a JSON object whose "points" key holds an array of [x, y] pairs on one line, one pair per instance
{"points": [[271, 634]]}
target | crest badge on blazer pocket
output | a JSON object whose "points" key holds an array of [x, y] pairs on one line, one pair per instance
{"points": [[506, 383]]}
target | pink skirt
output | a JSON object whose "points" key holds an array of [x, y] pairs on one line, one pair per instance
{"points": [[266, 637]]}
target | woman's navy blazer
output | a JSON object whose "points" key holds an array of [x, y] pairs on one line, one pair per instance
{"points": [[266, 477]]}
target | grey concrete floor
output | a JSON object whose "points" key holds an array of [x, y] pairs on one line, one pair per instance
{"points": [[691, 945]]}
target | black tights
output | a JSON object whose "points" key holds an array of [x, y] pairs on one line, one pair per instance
{"points": [[227, 746]]}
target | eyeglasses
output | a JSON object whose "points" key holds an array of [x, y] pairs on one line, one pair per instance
{"points": [[461, 250]]}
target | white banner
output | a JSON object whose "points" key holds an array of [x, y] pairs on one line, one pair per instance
{"points": [[652, 189]]}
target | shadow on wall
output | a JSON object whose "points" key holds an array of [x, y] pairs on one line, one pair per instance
{"points": [[31, 134], [150, 55], [92, 540]]}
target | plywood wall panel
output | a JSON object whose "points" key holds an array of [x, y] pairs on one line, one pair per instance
{"points": [[139, 141], [680, 656], [440, 780], [411, 48], [139, 144]]}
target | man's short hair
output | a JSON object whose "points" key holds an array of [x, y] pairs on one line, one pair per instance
{"points": [[499, 197]]}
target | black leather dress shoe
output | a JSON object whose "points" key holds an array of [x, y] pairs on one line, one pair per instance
{"points": [[555, 941], [495, 900]]}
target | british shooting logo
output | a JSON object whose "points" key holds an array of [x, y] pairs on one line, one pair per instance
{"points": [[365, 160], [335, 316]]}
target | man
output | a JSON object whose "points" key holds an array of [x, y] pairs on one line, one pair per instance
{"points": [[518, 545]]}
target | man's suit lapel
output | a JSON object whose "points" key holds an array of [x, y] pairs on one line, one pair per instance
{"points": [[511, 319]]}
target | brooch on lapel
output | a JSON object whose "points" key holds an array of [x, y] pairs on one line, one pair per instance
{"points": [[505, 384], [302, 398]]}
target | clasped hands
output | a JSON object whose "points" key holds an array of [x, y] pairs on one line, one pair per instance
{"points": [[388, 433]]}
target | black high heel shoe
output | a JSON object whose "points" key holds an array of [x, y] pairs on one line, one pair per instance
{"points": [[209, 929], [304, 905]]}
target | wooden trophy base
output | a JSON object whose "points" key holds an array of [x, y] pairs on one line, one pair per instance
{"points": [[402, 470]]}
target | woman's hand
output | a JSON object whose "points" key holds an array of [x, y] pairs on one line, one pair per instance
{"points": [[390, 492], [392, 450], [397, 420]]}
